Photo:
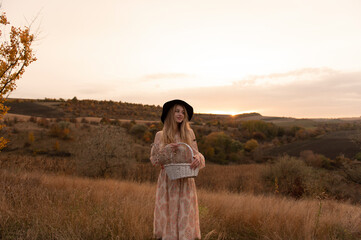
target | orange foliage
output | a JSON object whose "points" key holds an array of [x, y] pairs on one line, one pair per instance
{"points": [[15, 55]]}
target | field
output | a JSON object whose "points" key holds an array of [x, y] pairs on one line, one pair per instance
{"points": [[330, 145], [47, 206], [58, 182]]}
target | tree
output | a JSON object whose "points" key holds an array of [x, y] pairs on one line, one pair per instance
{"points": [[15, 56], [220, 147], [102, 151]]}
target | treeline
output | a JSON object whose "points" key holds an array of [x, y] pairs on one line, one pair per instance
{"points": [[73, 108], [132, 111], [110, 109]]}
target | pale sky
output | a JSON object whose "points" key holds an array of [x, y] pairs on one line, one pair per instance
{"points": [[276, 57]]}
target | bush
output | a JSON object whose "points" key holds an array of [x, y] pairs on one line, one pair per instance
{"points": [[31, 138], [148, 137], [105, 120], [60, 130], [353, 172], [218, 147], [261, 128], [141, 153], [138, 130], [292, 177], [106, 149], [259, 136], [33, 119], [43, 122], [316, 160], [84, 120], [251, 145], [127, 125], [115, 122], [358, 156]]}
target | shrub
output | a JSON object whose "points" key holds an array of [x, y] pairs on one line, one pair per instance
{"points": [[269, 130], [251, 145], [33, 119], [102, 151], [138, 130], [31, 138], [73, 120], [301, 134], [220, 148], [60, 130], [127, 125], [43, 122], [316, 160], [147, 137], [353, 172], [115, 122], [84, 120], [154, 128], [292, 177], [259, 136], [105, 120], [141, 153], [358, 156]]}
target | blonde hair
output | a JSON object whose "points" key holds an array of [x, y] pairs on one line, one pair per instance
{"points": [[171, 127]]}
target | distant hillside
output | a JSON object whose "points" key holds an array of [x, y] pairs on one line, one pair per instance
{"points": [[331, 145], [53, 108], [72, 108], [36, 108]]}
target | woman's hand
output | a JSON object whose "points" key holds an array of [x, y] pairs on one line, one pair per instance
{"points": [[196, 161], [174, 145]]}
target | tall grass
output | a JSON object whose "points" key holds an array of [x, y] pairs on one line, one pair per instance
{"points": [[44, 206]]}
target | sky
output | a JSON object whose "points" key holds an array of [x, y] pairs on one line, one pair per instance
{"points": [[276, 57]]}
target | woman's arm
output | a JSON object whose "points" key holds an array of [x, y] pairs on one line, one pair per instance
{"points": [[197, 154], [155, 152]]}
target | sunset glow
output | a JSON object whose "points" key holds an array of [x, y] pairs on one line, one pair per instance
{"points": [[232, 113], [281, 57]]}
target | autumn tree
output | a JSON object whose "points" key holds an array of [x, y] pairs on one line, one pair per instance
{"points": [[220, 148], [16, 54], [104, 150]]}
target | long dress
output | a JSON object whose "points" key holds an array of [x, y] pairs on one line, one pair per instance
{"points": [[176, 215]]}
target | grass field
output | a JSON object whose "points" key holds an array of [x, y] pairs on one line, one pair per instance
{"points": [[44, 193], [47, 206]]}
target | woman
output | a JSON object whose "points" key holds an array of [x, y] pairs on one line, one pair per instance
{"points": [[176, 206]]}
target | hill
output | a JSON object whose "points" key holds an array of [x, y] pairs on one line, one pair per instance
{"points": [[331, 145], [35, 108], [53, 108], [276, 135]]}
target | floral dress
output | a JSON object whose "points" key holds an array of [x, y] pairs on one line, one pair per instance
{"points": [[176, 214]]}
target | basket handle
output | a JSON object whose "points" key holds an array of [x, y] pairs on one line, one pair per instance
{"points": [[182, 143]]}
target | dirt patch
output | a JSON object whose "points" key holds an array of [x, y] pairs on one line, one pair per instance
{"points": [[35, 109], [330, 145]]}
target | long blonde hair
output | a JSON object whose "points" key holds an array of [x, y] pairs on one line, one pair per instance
{"points": [[171, 127]]}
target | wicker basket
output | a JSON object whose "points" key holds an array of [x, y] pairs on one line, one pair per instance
{"points": [[181, 170]]}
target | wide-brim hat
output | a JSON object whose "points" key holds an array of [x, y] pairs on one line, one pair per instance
{"points": [[168, 105]]}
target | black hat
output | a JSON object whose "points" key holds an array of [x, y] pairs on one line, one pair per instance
{"points": [[168, 105]]}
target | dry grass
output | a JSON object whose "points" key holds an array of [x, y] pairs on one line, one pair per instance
{"points": [[233, 178], [43, 206], [16, 162]]}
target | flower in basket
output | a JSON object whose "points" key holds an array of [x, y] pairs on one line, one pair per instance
{"points": [[178, 153]]}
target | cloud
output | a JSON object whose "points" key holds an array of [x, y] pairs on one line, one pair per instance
{"points": [[305, 74], [311, 92], [316, 93]]}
